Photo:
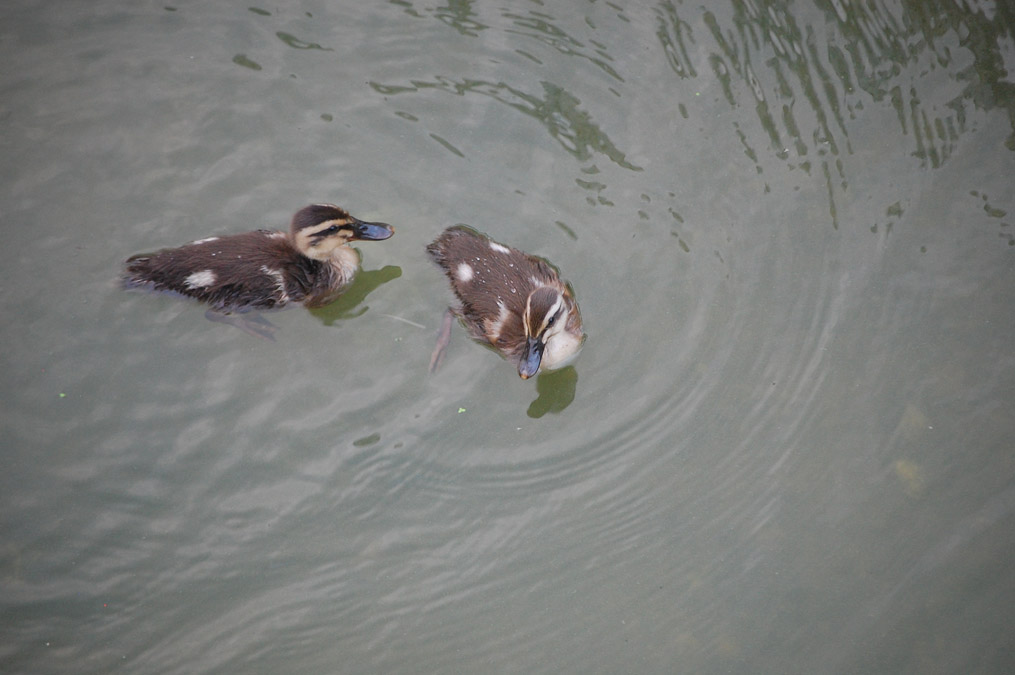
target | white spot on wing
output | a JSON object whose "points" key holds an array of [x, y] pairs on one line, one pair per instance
{"points": [[500, 248], [493, 328], [283, 297], [278, 235], [206, 240], [200, 279], [464, 272]]}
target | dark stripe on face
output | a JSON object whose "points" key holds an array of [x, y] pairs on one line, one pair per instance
{"points": [[329, 231], [541, 310]]}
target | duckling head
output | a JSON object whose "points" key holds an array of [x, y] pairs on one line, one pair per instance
{"points": [[553, 330], [319, 230]]}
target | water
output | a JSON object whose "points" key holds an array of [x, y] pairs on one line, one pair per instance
{"points": [[786, 446]]}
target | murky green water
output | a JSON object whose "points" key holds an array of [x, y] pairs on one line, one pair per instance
{"points": [[786, 446]]}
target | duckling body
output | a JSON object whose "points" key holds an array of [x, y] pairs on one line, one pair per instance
{"points": [[310, 265], [508, 299]]}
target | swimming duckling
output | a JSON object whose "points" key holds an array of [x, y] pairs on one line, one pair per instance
{"points": [[511, 300], [265, 269]]}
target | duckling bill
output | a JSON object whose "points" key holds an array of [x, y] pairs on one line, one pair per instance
{"points": [[309, 265], [508, 299]]}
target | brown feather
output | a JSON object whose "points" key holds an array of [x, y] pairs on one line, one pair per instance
{"points": [[238, 263], [263, 269], [492, 284]]}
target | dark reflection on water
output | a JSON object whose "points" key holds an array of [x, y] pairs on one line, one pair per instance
{"points": [[901, 54], [459, 15], [246, 62], [763, 55], [559, 111], [539, 26], [556, 392], [297, 43], [348, 304], [674, 35]]}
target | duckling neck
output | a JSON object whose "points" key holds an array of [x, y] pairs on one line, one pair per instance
{"points": [[344, 261]]}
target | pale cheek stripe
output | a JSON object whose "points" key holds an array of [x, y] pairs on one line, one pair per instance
{"points": [[546, 317], [556, 307]]}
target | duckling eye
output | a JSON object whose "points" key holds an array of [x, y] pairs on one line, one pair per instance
{"points": [[331, 230], [549, 322]]}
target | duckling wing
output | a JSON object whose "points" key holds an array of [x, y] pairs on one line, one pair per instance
{"points": [[491, 282], [230, 273]]}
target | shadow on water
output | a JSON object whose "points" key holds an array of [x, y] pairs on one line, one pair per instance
{"points": [[556, 392], [348, 306]]}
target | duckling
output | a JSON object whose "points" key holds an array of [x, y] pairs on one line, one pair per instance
{"points": [[513, 301], [265, 269]]}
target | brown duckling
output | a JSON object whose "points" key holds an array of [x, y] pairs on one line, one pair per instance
{"points": [[265, 269], [508, 299]]}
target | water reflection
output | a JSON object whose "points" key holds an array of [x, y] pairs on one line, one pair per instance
{"points": [[539, 26], [558, 110], [769, 56], [460, 16], [804, 78], [348, 304], [764, 50], [673, 33], [246, 62], [297, 43], [556, 392]]}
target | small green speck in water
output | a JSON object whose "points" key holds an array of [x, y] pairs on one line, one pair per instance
{"points": [[461, 410]]}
